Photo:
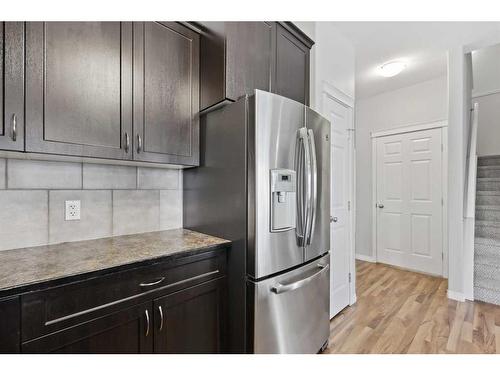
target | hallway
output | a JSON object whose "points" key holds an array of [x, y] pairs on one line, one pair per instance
{"points": [[400, 311]]}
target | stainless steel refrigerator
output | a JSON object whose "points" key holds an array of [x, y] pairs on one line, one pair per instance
{"points": [[264, 183]]}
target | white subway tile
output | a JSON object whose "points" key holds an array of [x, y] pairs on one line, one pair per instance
{"points": [[170, 209], [95, 215], [2, 173], [23, 218], [135, 211], [157, 178], [35, 174], [99, 176]]}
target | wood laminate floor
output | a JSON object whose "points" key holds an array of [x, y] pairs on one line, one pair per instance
{"points": [[400, 311]]}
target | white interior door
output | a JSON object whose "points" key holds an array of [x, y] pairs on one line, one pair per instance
{"points": [[340, 118], [409, 200]]}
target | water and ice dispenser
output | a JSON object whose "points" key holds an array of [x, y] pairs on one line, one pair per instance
{"points": [[283, 199]]}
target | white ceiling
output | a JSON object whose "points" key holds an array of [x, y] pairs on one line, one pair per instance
{"points": [[422, 44]]}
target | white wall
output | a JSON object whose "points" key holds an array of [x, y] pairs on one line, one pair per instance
{"points": [[486, 92], [420, 103], [486, 72], [332, 61], [488, 131]]}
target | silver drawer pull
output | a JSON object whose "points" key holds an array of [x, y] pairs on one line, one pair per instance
{"points": [[147, 322], [160, 310], [283, 288], [14, 127], [152, 283]]}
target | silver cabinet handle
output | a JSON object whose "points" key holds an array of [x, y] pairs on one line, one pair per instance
{"points": [[283, 288], [147, 322], [380, 205], [152, 283], [139, 143], [127, 142], [14, 127], [160, 310], [335, 219]]}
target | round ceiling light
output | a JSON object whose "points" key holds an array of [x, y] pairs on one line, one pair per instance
{"points": [[392, 68]]}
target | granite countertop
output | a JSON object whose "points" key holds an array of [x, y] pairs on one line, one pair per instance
{"points": [[34, 265]]}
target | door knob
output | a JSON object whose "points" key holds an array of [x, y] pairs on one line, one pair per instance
{"points": [[380, 205], [333, 219]]}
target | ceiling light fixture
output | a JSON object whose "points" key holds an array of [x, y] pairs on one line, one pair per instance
{"points": [[392, 68]]}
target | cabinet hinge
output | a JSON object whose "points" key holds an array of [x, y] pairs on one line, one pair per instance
{"points": [[349, 277], [348, 205], [442, 147]]}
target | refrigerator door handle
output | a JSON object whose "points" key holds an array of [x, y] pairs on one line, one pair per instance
{"points": [[314, 186], [308, 189], [299, 228], [283, 288], [302, 161]]}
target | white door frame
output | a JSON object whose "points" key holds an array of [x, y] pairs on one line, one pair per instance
{"points": [[339, 96], [443, 124]]}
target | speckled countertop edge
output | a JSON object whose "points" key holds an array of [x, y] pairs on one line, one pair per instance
{"points": [[22, 268]]}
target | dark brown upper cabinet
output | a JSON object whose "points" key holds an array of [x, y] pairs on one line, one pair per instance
{"points": [[166, 93], [239, 57], [292, 63], [236, 58], [79, 88], [12, 86]]}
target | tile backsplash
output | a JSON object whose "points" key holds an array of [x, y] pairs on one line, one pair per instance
{"points": [[115, 200]]}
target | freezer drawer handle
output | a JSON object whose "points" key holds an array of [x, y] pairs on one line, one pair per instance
{"points": [[281, 288]]}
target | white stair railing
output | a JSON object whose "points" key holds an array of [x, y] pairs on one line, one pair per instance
{"points": [[472, 165], [470, 206]]}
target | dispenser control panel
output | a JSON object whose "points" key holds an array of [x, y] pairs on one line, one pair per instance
{"points": [[283, 199]]}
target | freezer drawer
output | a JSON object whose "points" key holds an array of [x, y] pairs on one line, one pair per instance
{"points": [[291, 310]]}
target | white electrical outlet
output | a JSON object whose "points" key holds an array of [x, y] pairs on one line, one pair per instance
{"points": [[72, 211]]}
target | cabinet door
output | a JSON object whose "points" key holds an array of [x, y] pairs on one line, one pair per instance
{"points": [[79, 88], [292, 66], [127, 331], [166, 93], [12, 86], [248, 57], [192, 320], [236, 58], [10, 325]]}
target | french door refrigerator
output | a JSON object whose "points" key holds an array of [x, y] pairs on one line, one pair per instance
{"points": [[264, 183]]}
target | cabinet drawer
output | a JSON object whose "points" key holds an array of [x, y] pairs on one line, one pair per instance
{"points": [[127, 331], [63, 306]]}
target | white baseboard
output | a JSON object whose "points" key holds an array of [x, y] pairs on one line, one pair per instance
{"points": [[366, 258], [457, 296]]}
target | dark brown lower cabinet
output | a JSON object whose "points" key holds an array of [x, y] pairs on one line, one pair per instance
{"points": [[191, 320], [127, 331], [10, 325], [172, 305]]}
